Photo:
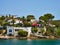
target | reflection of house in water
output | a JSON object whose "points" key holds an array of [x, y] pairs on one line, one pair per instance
{"points": [[14, 30]]}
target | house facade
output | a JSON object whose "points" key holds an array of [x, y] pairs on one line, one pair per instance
{"points": [[14, 30]]}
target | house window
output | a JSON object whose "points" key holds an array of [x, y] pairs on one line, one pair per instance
{"points": [[16, 29], [10, 30]]}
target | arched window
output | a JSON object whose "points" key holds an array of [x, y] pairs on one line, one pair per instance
{"points": [[10, 30]]}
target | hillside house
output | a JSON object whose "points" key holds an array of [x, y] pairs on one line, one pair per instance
{"points": [[14, 30]]}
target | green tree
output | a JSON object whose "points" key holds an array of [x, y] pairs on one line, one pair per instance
{"points": [[47, 17], [2, 17], [56, 23], [57, 31], [29, 17], [34, 29], [19, 24], [23, 19], [2, 20], [27, 24], [50, 30], [6, 24], [22, 33]]}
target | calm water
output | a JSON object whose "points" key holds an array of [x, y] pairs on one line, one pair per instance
{"points": [[29, 42]]}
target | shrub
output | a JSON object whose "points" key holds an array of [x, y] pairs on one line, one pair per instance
{"points": [[34, 29], [19, 24], [27, 24], [22, 33], [57, 32]]}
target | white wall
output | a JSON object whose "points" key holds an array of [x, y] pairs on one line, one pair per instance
{"points": [[8, 28], [28, 29]]}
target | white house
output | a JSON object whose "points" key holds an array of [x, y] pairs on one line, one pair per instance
{"points": [[14, 30], [33, 20], [16, 21], [10, 20]]}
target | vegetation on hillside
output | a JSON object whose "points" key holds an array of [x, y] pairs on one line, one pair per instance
{"points": [[46, 21]]}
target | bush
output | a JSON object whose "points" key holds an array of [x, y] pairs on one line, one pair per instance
{"points": [[6, 24], [57, 32], [27, 24], [49, 30], [19, 24], [22, 33], [34, 29]]}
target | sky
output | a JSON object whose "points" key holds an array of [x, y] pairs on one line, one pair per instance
{"points": [[30, 7]]}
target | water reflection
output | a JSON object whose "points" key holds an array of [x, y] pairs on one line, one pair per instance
{"points": [[43, 42], [29, 42]]}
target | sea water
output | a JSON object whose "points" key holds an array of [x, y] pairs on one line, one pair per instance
{"points": [[29, 42]]}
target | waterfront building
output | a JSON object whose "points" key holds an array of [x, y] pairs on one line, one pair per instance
{"points": [[14, 30]]}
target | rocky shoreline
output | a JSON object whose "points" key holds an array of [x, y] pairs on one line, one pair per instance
{"points": [[23, 38]]}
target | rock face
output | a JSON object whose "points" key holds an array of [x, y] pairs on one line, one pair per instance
{"points": [[51, 37], [44, 30]]}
